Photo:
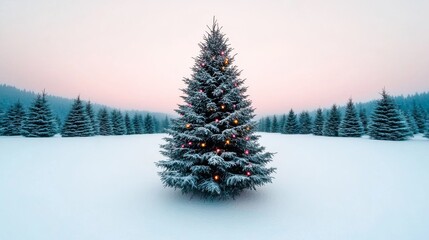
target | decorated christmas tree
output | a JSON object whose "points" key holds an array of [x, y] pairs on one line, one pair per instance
{"points": [[211, 149], [387, 121], [350, 126]]}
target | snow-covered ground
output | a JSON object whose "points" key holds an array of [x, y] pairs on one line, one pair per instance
{"points": [[108, 188]]}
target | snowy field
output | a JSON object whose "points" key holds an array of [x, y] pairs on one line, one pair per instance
{"points": [[108, 188]]}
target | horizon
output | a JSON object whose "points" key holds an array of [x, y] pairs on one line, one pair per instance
{"points": [[134, 55]]}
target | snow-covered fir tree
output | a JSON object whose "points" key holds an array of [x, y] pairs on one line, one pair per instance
{"points": [[13, 120], [94, 123], [129, 125], [148, 126], [212, 150], [291, 126], [165, 124], [275, 125], [351, 125], [77, 123], [118, 123], [427, 129], [387, 122], [305, 123], [156, 125], [282, 123], [319, 122], [419, 117], [363, 119], [332, 123], [137, 124], [411, 122], [104, 122], [39, 122], [268, 125]]}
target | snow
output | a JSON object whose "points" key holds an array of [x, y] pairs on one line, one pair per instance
{"points": [[108, 188]]}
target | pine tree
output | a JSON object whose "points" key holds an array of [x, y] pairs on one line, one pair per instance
{"points": [[39, 121], [319, 122], [129, 125], [165, 124], [77, 124], [118, 123], [350, 126], [137, 123], [94, 123], [211, 150], [13, 121], [332, 123], [291, 126], [2, 121], [305, 123], [418, 114], [411, 123], [275, 125], [282, 123], [427, 130], [268, 125], [156, 125], [387, 122], [104, 122], [363, 119], [148, 126]]}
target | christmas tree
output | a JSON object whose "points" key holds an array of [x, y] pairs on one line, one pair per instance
{"points": [[411, 123], [275, 125], [291, 126], [305, 123], [104, 122], [332, 123], [427, 130], [40, 121], [419, 117], [350, 126], [148, 125], [77, 124], [387, 122], [211, 150], [319, 121], [14, 120]]}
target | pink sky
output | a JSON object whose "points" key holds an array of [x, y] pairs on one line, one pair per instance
{"points": [[294, 54]]}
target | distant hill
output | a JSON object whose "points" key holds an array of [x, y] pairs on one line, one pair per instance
{"points": [[59, 105]]}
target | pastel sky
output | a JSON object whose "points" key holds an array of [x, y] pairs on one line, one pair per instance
{"points": [[297, 54]]}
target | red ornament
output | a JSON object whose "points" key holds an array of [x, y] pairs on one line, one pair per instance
{"points": [[190, 143], [248, 173]]}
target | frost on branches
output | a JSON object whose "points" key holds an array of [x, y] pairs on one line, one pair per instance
{"points": [[211, 150]]}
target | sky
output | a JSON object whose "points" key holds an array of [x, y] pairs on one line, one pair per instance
{"points": [[296, 54]]}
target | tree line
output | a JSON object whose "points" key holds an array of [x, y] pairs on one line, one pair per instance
{"points": [[386, 122], [81, 121]]}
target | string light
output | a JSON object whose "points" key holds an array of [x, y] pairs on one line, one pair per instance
{"points": [[217, 150], [226, 61], [223, 68], [216, 177], [234, 105], [248, 128], [201, 90], [223, 106], [227, 142], [190, 143], [233, 135], [203, 144], [248, 173], [216, 120], [188, 125], [236, 121], [247, 138], [222, 53], [246, 152], [183, 145]]}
